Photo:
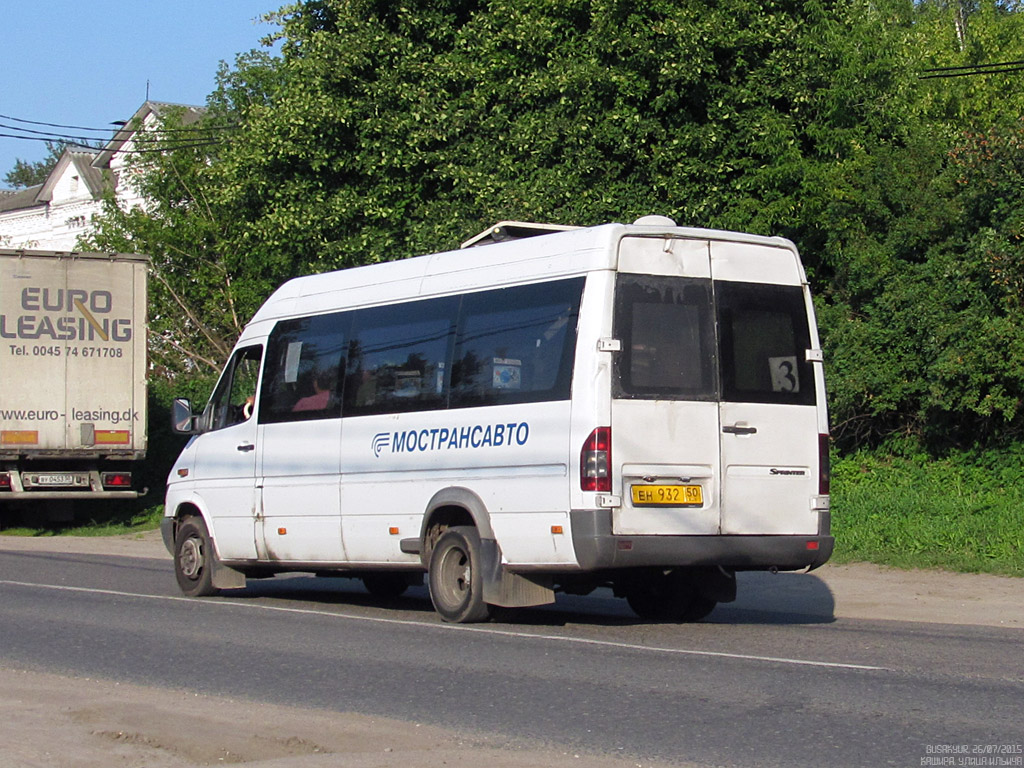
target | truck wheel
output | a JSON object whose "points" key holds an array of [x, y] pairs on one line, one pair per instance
{"points": [[194, 558], [456, 584], [386, 586], [668, 596]]}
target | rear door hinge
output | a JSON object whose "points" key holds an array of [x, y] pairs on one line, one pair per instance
{"points": [[609, 345]]}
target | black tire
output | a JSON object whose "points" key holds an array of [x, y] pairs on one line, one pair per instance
{"points": [[456, 584], [194, 558], [386, 586], [668, 596], [698, 609]]}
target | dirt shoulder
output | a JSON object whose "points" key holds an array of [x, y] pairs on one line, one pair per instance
{"points": [[80, 723], [49, 720]]}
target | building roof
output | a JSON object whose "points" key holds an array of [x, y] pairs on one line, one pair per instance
{"points": [[83, 160], [13, 200], [39, 194], [191, 114]]}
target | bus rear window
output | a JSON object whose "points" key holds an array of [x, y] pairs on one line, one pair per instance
{"points": [[668, 342], [764, 340], [689, 339]]}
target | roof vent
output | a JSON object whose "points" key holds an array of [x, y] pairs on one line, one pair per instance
{"points": [[513, 230], [654, 221]]}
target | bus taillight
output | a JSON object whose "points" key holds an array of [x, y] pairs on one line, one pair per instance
{"points": [[596, 461], [824, 471]]}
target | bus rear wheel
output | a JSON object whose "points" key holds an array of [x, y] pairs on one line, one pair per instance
{"points": [[668, 596], [456, 583]]}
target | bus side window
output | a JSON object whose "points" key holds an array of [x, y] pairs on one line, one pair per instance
{"points": [[305, 369], [516, 344], [232, 401], [397, 357]]}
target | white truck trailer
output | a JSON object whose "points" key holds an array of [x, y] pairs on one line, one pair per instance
{"points": [[72, 377]]}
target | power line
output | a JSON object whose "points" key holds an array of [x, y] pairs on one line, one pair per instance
{"points": [[48, 135], [120, 126], [973, 69], [147, 140], [165, 145], [55, 125], [70, 139]]}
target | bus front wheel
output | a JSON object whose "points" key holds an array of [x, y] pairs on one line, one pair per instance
{"points": [[456, 584], [193, 558]]}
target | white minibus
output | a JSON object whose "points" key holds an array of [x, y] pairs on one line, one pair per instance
{"points": [[548, 408]]}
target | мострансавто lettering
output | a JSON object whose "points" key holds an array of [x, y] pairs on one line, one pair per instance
{"points": [[454, 438]]}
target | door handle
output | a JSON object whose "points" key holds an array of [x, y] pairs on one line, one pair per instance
{"points": [[736, 429], [246, 447]]}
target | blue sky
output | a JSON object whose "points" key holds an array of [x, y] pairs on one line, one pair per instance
{"points": [[87, 62]]}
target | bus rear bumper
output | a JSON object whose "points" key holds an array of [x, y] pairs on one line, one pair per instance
{"points": [[597, 548]]}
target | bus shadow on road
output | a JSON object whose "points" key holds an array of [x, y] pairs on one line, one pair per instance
{"points": [[762, 598], [778, 598]]}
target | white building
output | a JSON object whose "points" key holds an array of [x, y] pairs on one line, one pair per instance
{"points": [[54, 214]]}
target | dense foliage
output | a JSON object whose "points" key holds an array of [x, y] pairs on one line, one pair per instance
{"points": [[384, 130]]}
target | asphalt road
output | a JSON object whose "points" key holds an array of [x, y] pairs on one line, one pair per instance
{"points": [[744, 688]]}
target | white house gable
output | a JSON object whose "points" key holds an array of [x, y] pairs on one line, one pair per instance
{"points": [[52, 216]]}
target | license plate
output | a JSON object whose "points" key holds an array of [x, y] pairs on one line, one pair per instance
{"points": [[58, 480], [667, 495]]}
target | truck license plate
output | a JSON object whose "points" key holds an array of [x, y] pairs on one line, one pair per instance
{"points": [[667, 495], [54, 479]]}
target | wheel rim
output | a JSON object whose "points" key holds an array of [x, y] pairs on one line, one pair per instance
{"points": [[190, 558], [456, 577]]}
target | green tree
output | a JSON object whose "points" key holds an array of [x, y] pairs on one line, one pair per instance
{"points": [[28, 174], [918, 312], [403, 128], [205, 283]]}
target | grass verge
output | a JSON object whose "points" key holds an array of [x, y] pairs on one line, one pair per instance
{"points": [[961, 513], [144, 520]]}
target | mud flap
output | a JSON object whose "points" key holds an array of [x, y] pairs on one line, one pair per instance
{"points": [[506, 589], [227, 578]]}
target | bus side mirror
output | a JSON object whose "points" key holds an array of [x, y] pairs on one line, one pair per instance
{"points": [[183, 422]]}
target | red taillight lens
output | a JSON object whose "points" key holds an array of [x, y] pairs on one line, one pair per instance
{"points": [[824, 471], [116, 479], [596, 461], [5, 481]]}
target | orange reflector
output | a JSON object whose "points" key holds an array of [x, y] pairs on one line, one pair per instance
{"points": [[19, 437], [112, 437], [282, 531], [393, 530], [183, 472], [812, 545], [557, 529]]}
